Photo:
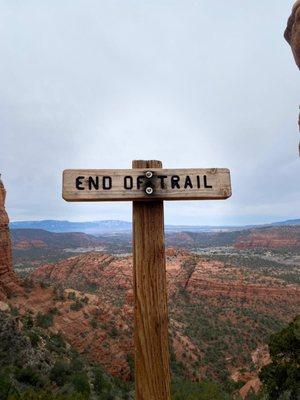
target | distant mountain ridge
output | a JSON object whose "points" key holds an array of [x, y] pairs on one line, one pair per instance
{"points": [[288, 222], [39, 238], [116, 226], [92, 227]]}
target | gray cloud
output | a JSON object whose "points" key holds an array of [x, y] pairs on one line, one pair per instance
{"points": [[95, 84]]}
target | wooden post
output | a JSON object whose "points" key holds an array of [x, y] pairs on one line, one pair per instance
{"points": [[148, 185], [152, 371]]}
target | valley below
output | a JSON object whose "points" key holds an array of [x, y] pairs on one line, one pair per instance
{"points": [[228, 292]]}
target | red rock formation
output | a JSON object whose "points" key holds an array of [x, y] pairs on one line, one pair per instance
{"points": [[292, 35], [292, 32], [97, 328], [9, 284], [260, 358], [26, 244], [271, 239], [198, 277], [251, 387], [87, 271]]}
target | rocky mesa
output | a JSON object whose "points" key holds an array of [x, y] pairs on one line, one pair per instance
{"points": [[9, 283]]}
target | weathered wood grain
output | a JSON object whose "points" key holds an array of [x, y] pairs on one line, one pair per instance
{"points": [[126, 184], [152, 374]]}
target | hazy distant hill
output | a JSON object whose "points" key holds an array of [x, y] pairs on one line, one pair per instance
{"points": [[271, 237], [288, 222], [32, 247], [117, 226], [67, 226], [24, 239]]}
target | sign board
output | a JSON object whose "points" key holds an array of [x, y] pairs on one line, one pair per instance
{"points": [[145, 185]]}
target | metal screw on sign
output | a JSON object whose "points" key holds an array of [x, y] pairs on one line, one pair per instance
{"points": [[149, 190], [149, 175]]}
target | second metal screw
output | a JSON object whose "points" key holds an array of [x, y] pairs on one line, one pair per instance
{"points": [[149, 174]]}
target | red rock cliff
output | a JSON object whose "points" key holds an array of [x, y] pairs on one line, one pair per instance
{"points": [[9, 284], [292, 32], [292, 36]]}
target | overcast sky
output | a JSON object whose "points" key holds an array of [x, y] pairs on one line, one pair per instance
{"points": [[96, 84]]}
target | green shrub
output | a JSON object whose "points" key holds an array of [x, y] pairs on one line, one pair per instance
{"points": [[56, 343], [101, 384], [44, 320], [81, 383], [72, 296], [34, 338], [14, 311], [5, 385], [76, 363], [54, 311], [206, 390], [281, 378], [94, 323], [130, 361], [60, 373], [77, 305], [113, 332], [28, 376], [44, 395], [27, 321]]}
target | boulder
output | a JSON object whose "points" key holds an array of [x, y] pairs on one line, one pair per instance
{"points": [[4, 306]]}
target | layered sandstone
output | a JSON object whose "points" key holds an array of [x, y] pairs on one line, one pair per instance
{"points": [[110, 276], [272, 239], [92, 324], [292, 32], [9, 284]]}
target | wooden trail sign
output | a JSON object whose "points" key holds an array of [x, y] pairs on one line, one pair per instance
{"points": [[132, 184], [147, 185]]}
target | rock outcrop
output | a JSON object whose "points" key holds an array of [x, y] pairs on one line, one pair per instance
{"points": [[292, 32], [292, 35], [110, 277], [270, 239], [260, 358], [9, 283], [251, 387]]}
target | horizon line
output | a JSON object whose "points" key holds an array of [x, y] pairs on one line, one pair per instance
{"points": [[167, 224]]}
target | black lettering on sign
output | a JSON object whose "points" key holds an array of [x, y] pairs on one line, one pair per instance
{"points": [[106, 182], [94, 183], [205, 183], [162, 180], [175, 182], [139, 181], [79, 183], [128, 182], [198, 182], [188, 182]]}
